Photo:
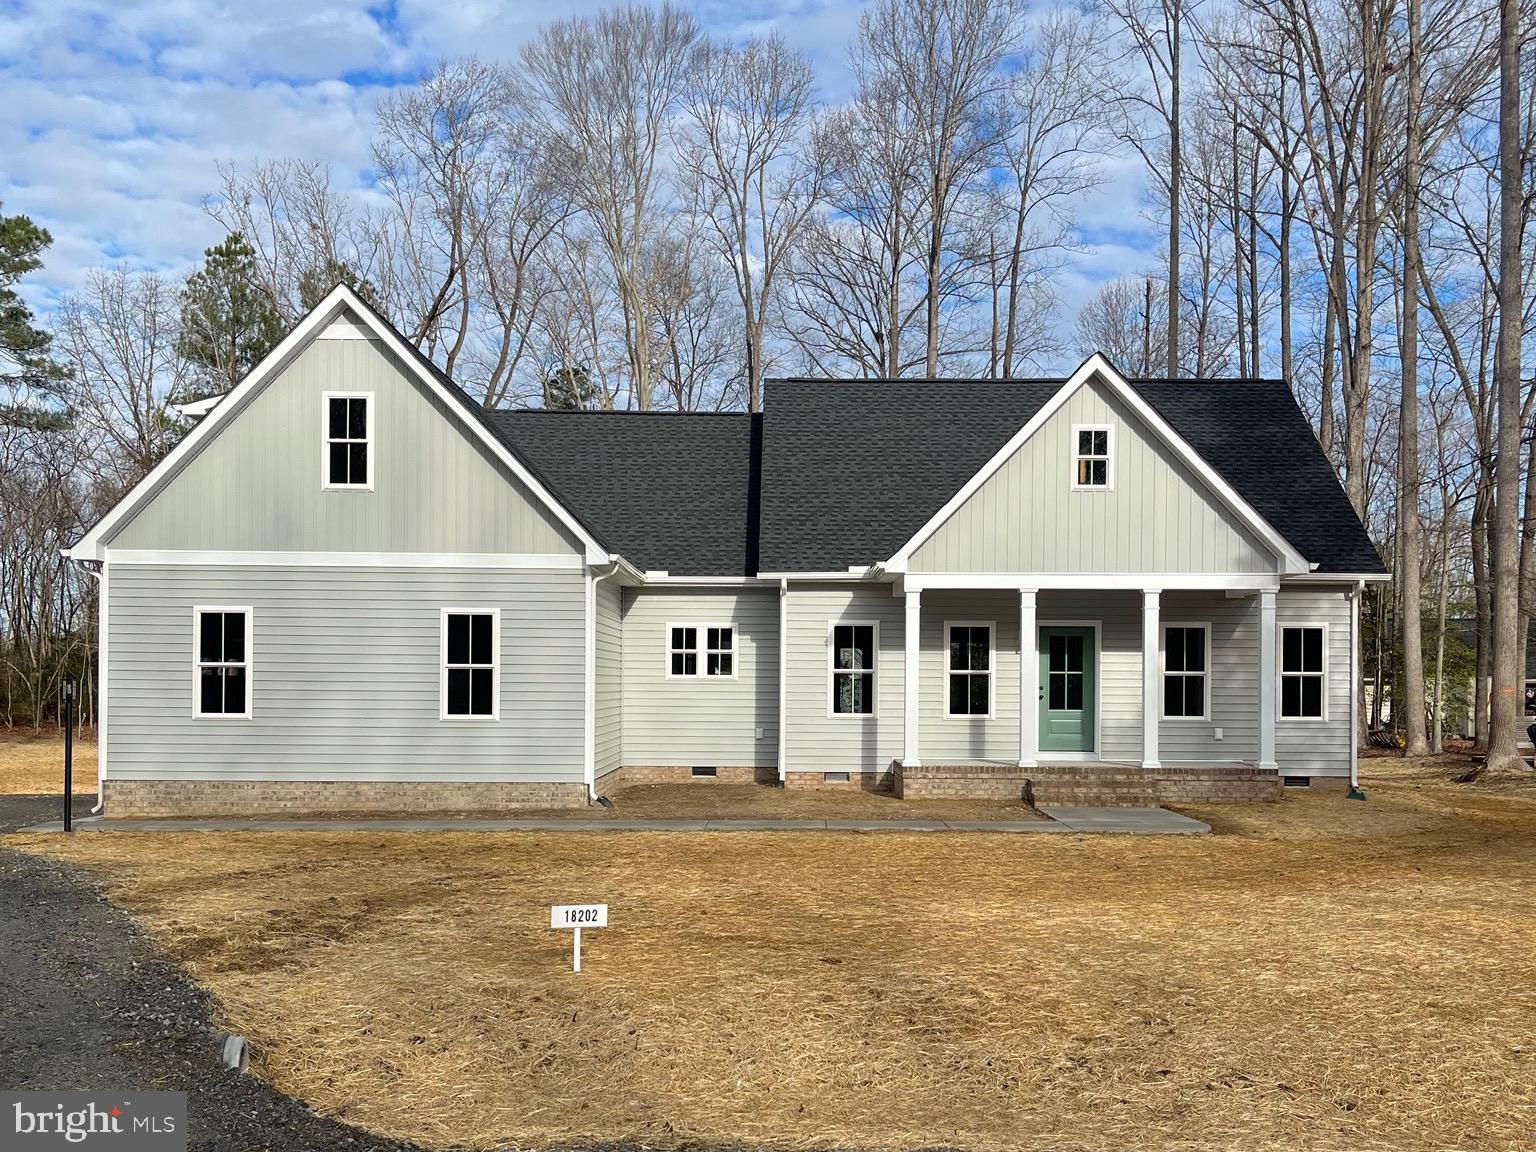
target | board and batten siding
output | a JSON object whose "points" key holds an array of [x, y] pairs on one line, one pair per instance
{"points": [[1317, 747], [814, 740], [256, 484], [345, 675], [1158, 516], [701, 720], [608, 730]]}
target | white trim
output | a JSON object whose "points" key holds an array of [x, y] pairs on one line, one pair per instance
{"points": [[1151, 683], [700, 649], [1280, 673], [784, 676], [874, 670], [1164, 673], [1047, 755], [1093, 581], [249, 663], [1355, 595], [103, 635], [1029, 680], [911, 678], [91, 545], [344, 330], [1096, 365], [589, 684], [1269, 678], [442, 665], [664, 580], [197, 408], [991, 627], [821, 577], [326, 440], [553, 560], [1345, 578], [1108, 458]]}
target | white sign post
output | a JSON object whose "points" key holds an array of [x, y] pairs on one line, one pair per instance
{"points": [[576, 917]]}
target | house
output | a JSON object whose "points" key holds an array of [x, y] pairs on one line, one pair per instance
{"points": [[351, 587]]}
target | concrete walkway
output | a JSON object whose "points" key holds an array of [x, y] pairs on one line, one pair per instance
{"points": [[1129, 821]]}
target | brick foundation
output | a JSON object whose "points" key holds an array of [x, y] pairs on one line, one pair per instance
{"points": [[146, 798], [1089, 785], [856, 782], [683, 774]]}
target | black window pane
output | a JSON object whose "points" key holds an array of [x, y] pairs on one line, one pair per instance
{"points": [[210, 643], [1074, 692], [1084, 443], [864, 645], [480, 640], [712, 664], [1290, 649], [690, 663], [1058, 692], [678, 640], [1312, 696], [458, 691], [957, 695], [1173, 650], [234, 690], [338, 464], [980, 649], [357, 418], [480, 683], [357, 467], [234, 637], [1194, 696], [980, 691], [1290, 696], [1074, 653], [210, 691], [1100, 473], [677, 664], [1173, 696], [1058, 657], [1194, 649], [1312, 649], [1101, 443], [458, 638], [724, 664], [957, 648], [690, 638], [337, 424]]}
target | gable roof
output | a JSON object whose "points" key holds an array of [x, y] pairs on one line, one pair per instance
{"points": [[668, 490]]}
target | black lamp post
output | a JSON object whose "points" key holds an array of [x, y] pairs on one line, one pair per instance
{"points": [[69, 755]]}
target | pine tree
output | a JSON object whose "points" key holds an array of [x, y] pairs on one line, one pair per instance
{"points": [[227, 322], [28, 375]]}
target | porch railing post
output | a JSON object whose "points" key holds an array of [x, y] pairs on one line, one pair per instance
{"points": [[911, 674], [1151, 610], [1029, 681]]}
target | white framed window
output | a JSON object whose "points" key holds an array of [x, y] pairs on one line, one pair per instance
{"points": [[968, 677], [346, 449], [1093, 464], [471, 667], [853, 647], [707, 650], [221, 662], [1304, 671], [1186, 671]]}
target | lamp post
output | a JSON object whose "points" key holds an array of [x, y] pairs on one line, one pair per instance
{"points": [[69, 754]]}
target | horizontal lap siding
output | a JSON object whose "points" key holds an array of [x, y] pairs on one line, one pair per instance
{"points": [[1318, 746], [814, 741], [1232, 681], [1119, 617], [960, 739], [345, 683], [609, 724], [701, 720]]}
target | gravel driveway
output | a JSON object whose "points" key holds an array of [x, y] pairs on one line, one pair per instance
{"points": [[18, 812]]}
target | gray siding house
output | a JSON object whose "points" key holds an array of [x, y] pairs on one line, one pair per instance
{"points": [[350, 587]]}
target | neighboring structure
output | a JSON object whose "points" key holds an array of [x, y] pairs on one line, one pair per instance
{"points": [[352, 587]]}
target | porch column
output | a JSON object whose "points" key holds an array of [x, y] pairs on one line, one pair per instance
{"points": [[1029, 680], [1151, 687], [911, 674], [1268, 681]]}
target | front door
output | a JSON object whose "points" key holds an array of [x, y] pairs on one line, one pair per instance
{"points": [[1067, 689]]}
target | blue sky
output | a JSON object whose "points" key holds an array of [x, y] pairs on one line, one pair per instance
{"points": [[117, 114]]}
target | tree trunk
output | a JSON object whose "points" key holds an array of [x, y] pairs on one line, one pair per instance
{"points": [[1175, 182], [1483, 598]]}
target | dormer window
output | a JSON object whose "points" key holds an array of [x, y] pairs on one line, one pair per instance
{"points": [[1092, 462], [347, 460]]}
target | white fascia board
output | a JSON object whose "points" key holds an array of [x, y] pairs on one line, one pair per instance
{"points": [[1093, 581], [90, 546], [199, 407], [552, 561], [1097, 366], [1337, 578]]}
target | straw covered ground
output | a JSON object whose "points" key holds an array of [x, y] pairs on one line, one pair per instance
{"points": [[34, 765], [1318, 974]]}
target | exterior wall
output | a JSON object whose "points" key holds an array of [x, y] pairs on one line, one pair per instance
{"points": [[680, 722], [1159, 517], [1321, 747], [1119, 617], [609, 719], [256, 486], [1232, 683], [149, 798], [958, 739], [345, 676], [816, 741]]}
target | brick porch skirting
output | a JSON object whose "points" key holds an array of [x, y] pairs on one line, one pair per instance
{"points": [[1089, 785], [683, 774], [856, 782], [143, 798]]}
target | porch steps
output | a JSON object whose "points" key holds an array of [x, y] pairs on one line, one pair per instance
{"points": [[1088, 785]]}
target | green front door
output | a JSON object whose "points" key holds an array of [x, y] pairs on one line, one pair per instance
{"points": [[1067, 689]]}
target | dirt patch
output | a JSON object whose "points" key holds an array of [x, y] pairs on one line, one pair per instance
{"points": [[1324, 974], [34, 765]]}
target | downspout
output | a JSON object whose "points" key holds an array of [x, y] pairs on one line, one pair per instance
{"points": [[783, 676], [101, 680], [589, 750], [1354, 690]]}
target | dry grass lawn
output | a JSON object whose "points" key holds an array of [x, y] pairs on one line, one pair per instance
{"points": [[1320, 974], [34, 765]]}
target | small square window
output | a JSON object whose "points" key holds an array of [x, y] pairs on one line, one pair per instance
{"points": [[1091, 457]]}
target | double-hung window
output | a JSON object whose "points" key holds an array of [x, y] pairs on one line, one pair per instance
{"points": [[223, 640], [1091, 461], [1303, 670], [471, 672], [1186, 660], [347, 461], [969, 669], [851, 654], [701, 650]]}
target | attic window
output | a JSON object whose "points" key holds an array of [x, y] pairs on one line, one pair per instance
{"points": [[348, 449], [1091, 461]]}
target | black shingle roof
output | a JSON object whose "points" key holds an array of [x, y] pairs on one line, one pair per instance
{"points": [[843, 473]]}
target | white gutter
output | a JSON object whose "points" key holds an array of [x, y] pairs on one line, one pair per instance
{"points": [[1354, 686], [783, 677], [101, 683]]}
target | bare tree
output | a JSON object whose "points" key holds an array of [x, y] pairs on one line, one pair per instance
{"points": [[601, 91], [1125, 321]]}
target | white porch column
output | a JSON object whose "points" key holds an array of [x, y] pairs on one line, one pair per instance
{"points": [[911, 674], [1268, 681], [1029, 681], [1151, 686]]}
